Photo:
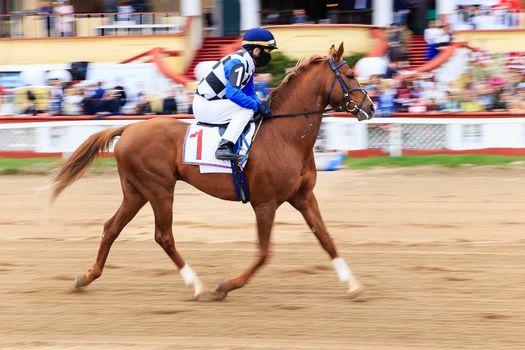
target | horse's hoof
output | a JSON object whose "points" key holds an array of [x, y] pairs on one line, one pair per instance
{"points": [[209, 297], [219, 294], [357, 294], [80, 282]]}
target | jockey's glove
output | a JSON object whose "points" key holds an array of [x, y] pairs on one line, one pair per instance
{"points": [[264, 110]]}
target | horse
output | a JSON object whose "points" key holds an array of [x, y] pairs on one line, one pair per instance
{"points": [[281, 168]]}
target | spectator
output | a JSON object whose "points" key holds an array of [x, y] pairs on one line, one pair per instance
{"points": [[391, 69], [143, 105], [141, 5], [403, 67], [123, 98], [184, 99], [470, 100], [396, 48], [400, 16], [262, 84], [516, 103], [64, 22], [92, 98], [431, 93], [299, 16], [110, 104], [110, 6], [46, 10], [445, 37], [403, 99], [450, 103], [99, 91], [502, 100], [30, 105], [209, 27], [386, 105], [56, 97], [73, 98], [169, 103], [372, 87], [432, 34], [125, 9]]}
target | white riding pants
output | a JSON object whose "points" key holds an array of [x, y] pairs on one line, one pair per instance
{"points": [[221, 112]]}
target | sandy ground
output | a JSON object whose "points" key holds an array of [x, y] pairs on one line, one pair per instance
{"points": [[442, 253]]}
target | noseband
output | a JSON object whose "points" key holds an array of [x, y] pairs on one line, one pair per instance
{"points": [[346, 90]]}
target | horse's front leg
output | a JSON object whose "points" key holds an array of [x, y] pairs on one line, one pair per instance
{"points": [[265, 215], [306, 203]]}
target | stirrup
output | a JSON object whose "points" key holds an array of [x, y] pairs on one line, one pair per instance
{"points": [[224, 154]]}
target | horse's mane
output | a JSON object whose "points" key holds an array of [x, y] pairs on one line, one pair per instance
{"points": [[301, 66]]}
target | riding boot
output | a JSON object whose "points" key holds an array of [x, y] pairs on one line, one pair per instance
{"points": [[225, 151]]}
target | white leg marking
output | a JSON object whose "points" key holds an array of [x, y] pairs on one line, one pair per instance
{"points": [[190, 279], [344, 274]]}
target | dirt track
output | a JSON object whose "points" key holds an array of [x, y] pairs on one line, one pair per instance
{"points": [[442, 253]]}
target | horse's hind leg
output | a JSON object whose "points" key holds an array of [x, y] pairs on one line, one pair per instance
{"points": [[306, 203], [131, 204]]}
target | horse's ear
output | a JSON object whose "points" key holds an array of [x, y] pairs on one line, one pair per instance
{"points": [[340, 51], [332, 51]]}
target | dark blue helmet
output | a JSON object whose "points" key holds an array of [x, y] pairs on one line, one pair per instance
{"points": [[258, 37]]}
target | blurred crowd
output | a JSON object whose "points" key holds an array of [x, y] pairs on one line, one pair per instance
{"points": [[492, 82], [101, 100], [96, 99], [504, 15]]}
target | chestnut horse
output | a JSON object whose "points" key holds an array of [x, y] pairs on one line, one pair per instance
{"points": [[281, 169]]}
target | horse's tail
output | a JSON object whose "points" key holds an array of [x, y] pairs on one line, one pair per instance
{"points": [[77, 164]]}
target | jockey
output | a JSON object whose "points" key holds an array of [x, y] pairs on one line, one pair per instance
{"points": [[227, 93]]}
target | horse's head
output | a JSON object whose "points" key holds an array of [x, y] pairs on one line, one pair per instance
{"points": [[344, 90]]}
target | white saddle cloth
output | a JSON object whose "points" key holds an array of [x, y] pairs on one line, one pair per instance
{"points": [[200, 144]]}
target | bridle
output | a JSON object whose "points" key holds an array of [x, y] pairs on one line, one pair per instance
{"points": [[346, 90], [346, 95]]}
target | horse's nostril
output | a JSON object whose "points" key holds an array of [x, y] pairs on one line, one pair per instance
{"points": [[372, 108]]}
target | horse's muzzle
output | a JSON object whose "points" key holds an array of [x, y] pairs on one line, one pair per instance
{"points": [[363, 115]]}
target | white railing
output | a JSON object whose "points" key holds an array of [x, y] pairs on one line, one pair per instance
{"points": [[90, 24], [393, 135]]}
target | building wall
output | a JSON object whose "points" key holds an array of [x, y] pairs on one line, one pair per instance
{"points": [[91, 49], [305, 40], [493, 40]]}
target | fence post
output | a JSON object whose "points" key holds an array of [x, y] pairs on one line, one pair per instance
{"points": [[395, 140]]}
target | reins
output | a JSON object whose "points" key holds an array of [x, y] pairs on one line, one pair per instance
{"points": [[305, 113]]}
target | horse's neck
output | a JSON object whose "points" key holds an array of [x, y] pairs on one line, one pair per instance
{"points": [[302, 95]]}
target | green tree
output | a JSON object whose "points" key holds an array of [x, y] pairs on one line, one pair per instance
{"points": [[280, 63]]}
